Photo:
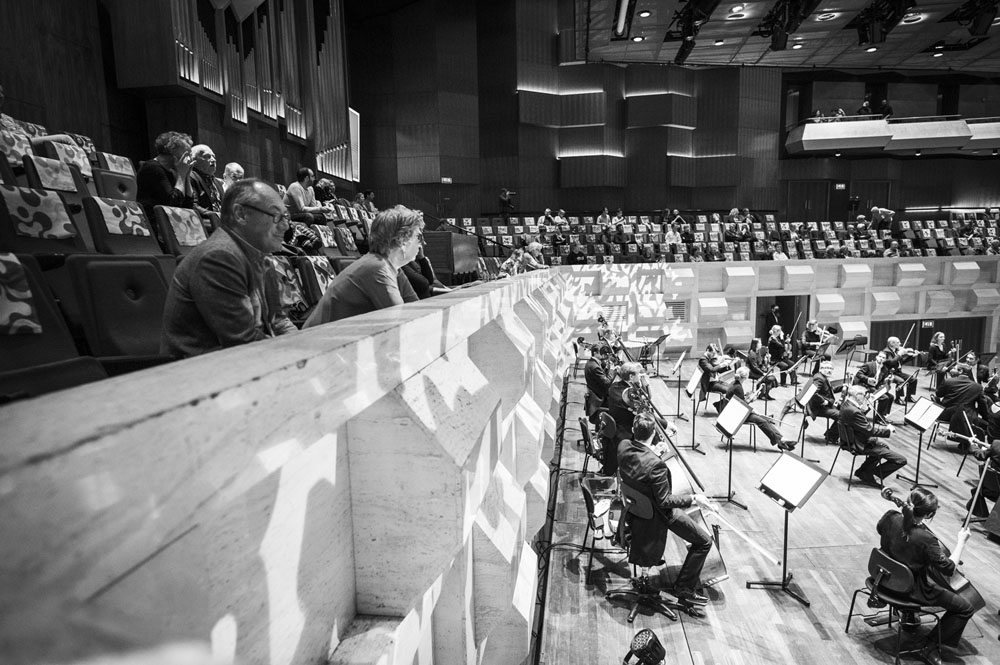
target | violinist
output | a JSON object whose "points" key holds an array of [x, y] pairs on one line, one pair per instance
{"points": [[759, 364], [905, 537], [872, 376], [599, 373], [642, 469], [939, 357], [711, 364], [735, 388], [813, 337], [971, 367], [895, 356], [863, 434], [822, 404], [620, 406], [779, 347]]}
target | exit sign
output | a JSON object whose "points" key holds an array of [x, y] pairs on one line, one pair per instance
{"points": [[840, 186], [926, 324], [445, 181]]}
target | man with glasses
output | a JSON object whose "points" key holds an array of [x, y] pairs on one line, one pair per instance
{"points": [[375, 281], [219, 295]]}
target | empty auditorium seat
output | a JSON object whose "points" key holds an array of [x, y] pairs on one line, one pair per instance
{"points": [[119, 227], [70, 154], [14, 147], [291, 293], [66, 179], [115, 163], [40, 356], [316, 272], [7, 176], [115, 185], [180, 229], [121, 300], [35, 221]]}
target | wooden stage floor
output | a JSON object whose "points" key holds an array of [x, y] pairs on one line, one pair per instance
{"points": [[829, 543]]}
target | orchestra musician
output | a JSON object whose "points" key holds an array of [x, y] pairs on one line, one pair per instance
{"points": [[773, 317], [873, 375], [881, 461], [599, 374], [895, 356], [759, 364], [812, 338], [630, 377], [938, 356], [906, 537], [735, 388], [781, 354], [823, 404], [711, 364], [971, 367], [991, 485], [961, 398], [642, 469]]}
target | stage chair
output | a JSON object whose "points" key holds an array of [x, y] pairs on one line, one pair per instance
{"points": [[581, 353], [119, 227], [599, 525], [847, 441], [640, 592], [7, 176], [590, 449], [180, 229], [889, 584]]}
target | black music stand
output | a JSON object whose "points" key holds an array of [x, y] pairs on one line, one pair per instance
{"points": [[789, 482], [849, 346], [729, 422], [692, 388], [802, 398], [676, 371], [922, 416]]}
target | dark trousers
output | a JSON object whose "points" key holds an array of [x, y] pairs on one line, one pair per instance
{"points": [[610, 461], [899, 379], [958, 611], [766, 426], [685, 528], [783, 365], [770, 381], [832, 433], [991, 491], [881, 461]]}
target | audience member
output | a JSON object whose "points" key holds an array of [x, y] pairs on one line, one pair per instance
{"points": [[506, 203], [375, 281], [713, 253], [421, 275], [206, 189], [577, 256], [749, 217], [532, 258], [8, 124], [696, 255], [620, 237], [885, 110], [672, 237], [301, 200], [619, 217], [892, 250], [882, 218], [817, 116], [604, 219], [370, 201], [512, 264], [837, 115], [359, 202], [546, 218], [865, 109], [325, 191], [163, 180], [231, 174], [222, 293]]}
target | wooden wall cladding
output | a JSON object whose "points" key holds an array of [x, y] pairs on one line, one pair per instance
{"points": [[661, 109], [539, 108], [828, 96], [909, 100], [592, 171], [980, 101], [582, 109]]}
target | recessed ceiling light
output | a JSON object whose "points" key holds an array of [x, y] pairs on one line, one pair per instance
{"points": [[645, 13], [796, 46], [828, 16], [939, 45], [912, 17], [720, 42], [638, 38], [735, 17], [737, 8], [836, 154], [871, 49], [918, 153]]}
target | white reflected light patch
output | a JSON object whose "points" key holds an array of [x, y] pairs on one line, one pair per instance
{"points": [[224, 634], [98, 491], [276, 456], [281, 547]]}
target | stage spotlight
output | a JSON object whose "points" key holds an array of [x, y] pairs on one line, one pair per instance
{"points": [[647, 648], [982, 21], [687, 45], [779, 39]]}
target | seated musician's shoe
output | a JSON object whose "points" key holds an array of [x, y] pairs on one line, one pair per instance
{"points": [[786, 445], [766, 398], [690, 597], [866, 478], [930, 654], [911, 399]]}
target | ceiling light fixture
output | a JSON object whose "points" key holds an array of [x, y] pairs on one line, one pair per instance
{"points": [[828, 16], [645, 13], [735, 17], [737, 8], [871, 49], [720, 42], [638, 38], [938, 54], [912, 17], [797, 46], [836, 154], [918, 153]]}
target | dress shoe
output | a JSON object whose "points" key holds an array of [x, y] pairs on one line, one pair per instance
{"points": [[867, 478], [690, 597], [931, 655], [766, 398], [786, 445]]}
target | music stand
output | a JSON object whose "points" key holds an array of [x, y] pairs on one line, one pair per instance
{"points": [[802, 398], [922, 416], [849, 346], [789, 482], [692, 387], [676, 371], [729, 422]]}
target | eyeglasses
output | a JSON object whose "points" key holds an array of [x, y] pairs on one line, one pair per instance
{"points": [[276, 217]]}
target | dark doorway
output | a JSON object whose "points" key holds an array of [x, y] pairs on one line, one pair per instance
{"points": [[808, 201], [789, 307]]}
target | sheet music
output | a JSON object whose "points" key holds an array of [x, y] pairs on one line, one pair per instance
{"points": [[792, 481], [733, 416]]}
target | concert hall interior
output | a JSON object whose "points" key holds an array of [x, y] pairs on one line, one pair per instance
{"points": [[440, 331]]}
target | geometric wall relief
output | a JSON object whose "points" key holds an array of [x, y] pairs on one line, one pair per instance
{"points": [[737, 333], [855, 275], [740, 280], [830, 305], [711, 310], [798, 278], [910, 274], [939, 302], [851, 329], [962, 272], [885, 303], [984, 299]]}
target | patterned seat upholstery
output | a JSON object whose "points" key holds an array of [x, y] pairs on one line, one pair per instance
{"points": [[85, 143], [70, 154], [345, 241], [115, 163], [65, 178], [180, 229], [119, 227], [316, 273], [35, 221], [291, 293], [15, 146], [325, 233], [112, 184]]}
